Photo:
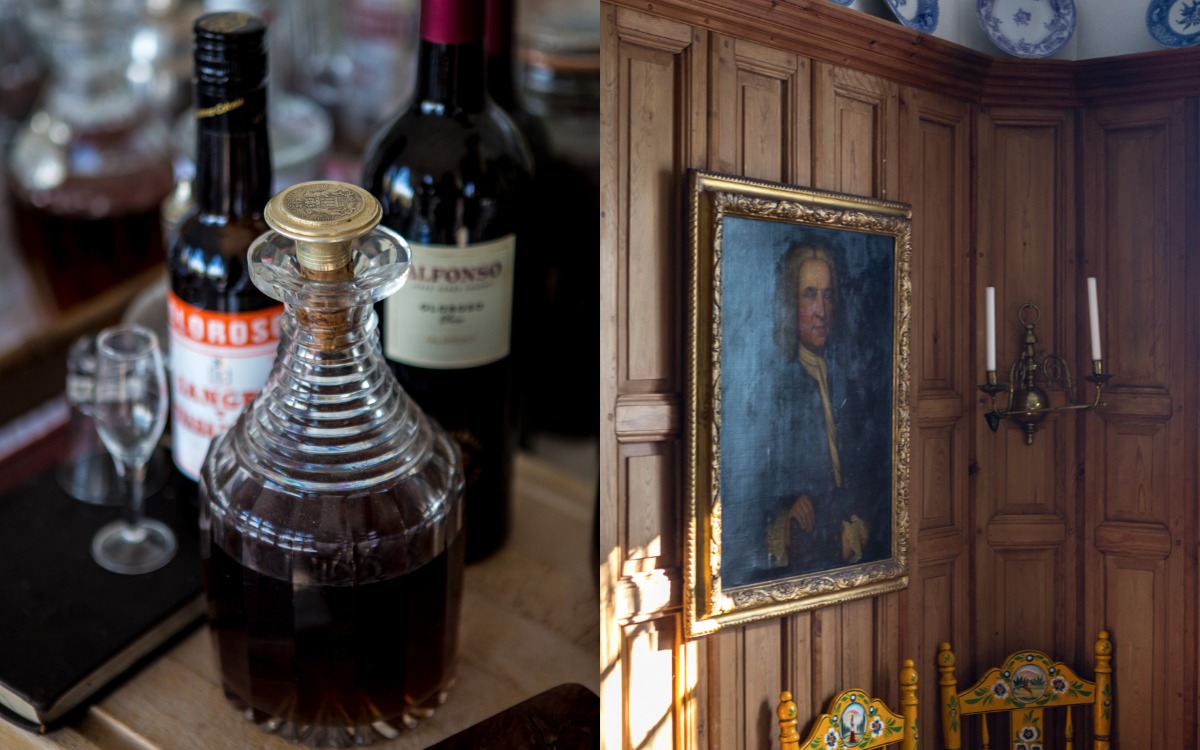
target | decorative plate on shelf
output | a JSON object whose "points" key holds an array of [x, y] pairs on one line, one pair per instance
{"points": [[1028, 28], [918, 15], [1174, 23]]}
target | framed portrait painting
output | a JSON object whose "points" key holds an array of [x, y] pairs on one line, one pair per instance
{"points": [[797, 422]]}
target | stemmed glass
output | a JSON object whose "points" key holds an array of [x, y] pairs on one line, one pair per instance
{"points": [[130, 410]]}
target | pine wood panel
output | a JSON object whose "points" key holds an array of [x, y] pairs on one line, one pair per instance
{"points": [[653, 106], [650, 692], [759, 128], [1015, 546], [655, 122], [935, 140], [1025, 576], [856, 146], [1139, 188], [856, 131]]}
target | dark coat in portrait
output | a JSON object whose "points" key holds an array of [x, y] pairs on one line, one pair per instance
{"points": [[775, 446]]}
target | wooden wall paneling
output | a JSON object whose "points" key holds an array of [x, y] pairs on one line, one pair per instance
{"points": [[649, 685], [1139, 195], [612, 683], [936, 135], [844, 36], [856, 119], [856, 131], [761, 123], [654, 87], [1054, 543], [1026, 573], [759, 128]]}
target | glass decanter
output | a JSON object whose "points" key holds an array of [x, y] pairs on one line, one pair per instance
{"points": [[331, 511], [90, 165]]}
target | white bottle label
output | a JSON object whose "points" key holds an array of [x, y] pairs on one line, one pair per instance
{"points": [[219, 362], [455, 310]]}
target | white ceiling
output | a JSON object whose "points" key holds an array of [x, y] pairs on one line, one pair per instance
{"points": [[1103, 28]]}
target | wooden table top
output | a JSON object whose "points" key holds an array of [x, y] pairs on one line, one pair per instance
{"points": [[530, 623]]}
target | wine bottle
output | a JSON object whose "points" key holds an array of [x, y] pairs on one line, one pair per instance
{"points": [[450, 170], [224, 332]]}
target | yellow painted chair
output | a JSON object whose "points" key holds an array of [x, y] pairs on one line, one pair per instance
{"points": [[1027, 684], [855, 720]]}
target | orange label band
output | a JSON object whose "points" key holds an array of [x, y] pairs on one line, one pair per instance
{"points": [[219, 362], [235, 330]]}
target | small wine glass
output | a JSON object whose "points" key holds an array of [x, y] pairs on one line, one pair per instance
{"points": [[130, 410]]}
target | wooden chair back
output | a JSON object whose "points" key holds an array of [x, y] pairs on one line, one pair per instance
{"points": [[1027, 684], [856, 721]]}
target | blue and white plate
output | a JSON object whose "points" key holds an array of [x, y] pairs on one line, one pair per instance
{"points": [[1028, 28], [918, 15], [842, 2], [1174, 23]]}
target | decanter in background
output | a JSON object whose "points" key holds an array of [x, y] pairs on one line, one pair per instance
{"points": [[161, 65], [331, 512], [22, 74], [89, 167], [22, 71]]}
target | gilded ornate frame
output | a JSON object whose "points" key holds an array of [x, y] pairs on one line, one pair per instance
{"points": [[708, 605]]}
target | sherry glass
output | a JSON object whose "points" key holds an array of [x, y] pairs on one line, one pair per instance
{"points": [[130, 410]]}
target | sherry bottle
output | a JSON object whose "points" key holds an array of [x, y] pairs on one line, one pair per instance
{"points": [[451, 172], [223, 331]]}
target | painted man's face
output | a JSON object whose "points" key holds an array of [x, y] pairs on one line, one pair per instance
{"points": [[815, 308]]}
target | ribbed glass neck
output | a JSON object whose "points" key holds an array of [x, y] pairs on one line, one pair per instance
{"points": [[331, 417]]}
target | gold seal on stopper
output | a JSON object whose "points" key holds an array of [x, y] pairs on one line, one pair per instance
{"points": [[323, 217]]}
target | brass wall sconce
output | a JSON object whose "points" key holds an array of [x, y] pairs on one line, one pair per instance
{"points": [[1028, 403]]}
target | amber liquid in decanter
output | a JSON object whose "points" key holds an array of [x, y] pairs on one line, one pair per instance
{"points": [[331, 512], [314, 662]]}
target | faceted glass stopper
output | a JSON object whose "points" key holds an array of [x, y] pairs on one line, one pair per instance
{"points": [[327, 251]]}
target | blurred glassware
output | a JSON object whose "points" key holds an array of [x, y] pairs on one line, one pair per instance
{"points": [[381, 41], [149, 310], [86, 471], [22, 71], [358, 60], [22, 312], [175, 206], [89, 168], [161, 65], [559, 48], [323, 65], [560, 76]]}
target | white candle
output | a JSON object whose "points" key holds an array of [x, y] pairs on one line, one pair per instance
{"points": [[990, 297], [1094, 310]]}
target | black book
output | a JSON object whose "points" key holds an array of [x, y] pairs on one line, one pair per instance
{"points": [[69, 628], [566, 717]]}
